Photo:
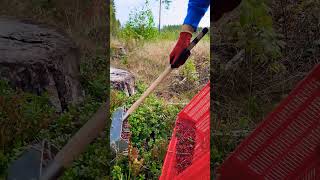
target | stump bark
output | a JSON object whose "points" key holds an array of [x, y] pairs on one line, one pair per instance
{"points": [[122, 80], [38, 58]]}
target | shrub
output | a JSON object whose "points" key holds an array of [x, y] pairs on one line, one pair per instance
{"points": [[254, 32], [22, 115], [190, 72], [140, 25], [117, 173], [94, 76]]}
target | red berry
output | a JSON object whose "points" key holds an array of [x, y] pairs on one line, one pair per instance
{"points": [[185, 133]]}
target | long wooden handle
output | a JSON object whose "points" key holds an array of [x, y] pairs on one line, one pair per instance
{"points": [[77, 144], [148, 91]]}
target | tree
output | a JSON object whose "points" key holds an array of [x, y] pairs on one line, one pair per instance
{"points": [[255, 33], [114, 23], [167, 4], [140, 24]]}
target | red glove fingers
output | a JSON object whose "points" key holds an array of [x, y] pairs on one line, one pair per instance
{"points": [[179, 55]]}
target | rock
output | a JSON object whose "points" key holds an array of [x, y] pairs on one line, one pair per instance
{"points": [[122, 80], [38, 58]]}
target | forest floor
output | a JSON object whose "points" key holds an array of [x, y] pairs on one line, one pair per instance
{"points": [[250, 89]]}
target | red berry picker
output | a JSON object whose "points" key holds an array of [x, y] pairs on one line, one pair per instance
{"points": [[188, 154]]}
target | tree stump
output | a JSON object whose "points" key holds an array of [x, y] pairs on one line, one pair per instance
{"points": [[122, 80], [38, 58]]}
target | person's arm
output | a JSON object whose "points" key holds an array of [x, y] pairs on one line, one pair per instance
{"points": [[195, 12], [187, 28]]}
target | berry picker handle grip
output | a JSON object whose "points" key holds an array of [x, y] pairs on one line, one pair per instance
{"points": [[162, 76], [198, 38]]}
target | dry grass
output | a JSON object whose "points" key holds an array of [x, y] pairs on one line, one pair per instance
{"points": [[148, 61]]}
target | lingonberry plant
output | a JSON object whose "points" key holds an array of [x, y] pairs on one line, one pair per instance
{"points": [[151, 127]]}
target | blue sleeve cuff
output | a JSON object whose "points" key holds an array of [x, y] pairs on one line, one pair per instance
{"points": [[196, 10]]}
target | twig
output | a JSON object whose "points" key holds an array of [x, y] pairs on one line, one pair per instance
{"points": [[235, 60], [236, 133], [177, 103], [179, 153]]}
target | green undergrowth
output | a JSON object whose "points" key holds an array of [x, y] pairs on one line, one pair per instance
{"points": [[93, 162], [151, 127], [26, 117], [21, 116]]}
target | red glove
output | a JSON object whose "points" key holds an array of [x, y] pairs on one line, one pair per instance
{"points": [[179, 54]]}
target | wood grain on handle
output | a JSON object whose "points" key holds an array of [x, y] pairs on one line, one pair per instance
{"points": [[148, 91]]}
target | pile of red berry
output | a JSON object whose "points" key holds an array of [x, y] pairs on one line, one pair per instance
{"points": [[125, 132], [186, 135]]}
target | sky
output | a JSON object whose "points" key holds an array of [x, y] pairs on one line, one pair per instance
{"points": [[173, 16]]}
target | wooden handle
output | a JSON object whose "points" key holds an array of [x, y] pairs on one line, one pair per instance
{"points": [[77, 144], [148, 91]]}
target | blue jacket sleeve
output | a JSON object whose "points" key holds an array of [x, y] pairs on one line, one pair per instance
{"points": [[196, 10]]}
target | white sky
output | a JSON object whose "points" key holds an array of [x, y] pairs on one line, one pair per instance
{"points": [[174, 15]]}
